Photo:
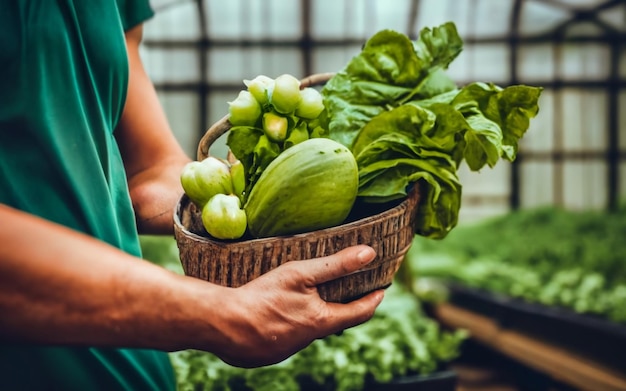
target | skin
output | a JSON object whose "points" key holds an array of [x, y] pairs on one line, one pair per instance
{"points": [[52, 294]]}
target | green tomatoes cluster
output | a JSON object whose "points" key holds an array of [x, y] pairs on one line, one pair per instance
{"points": [[286, 112], [216, 187], [267, 118]]}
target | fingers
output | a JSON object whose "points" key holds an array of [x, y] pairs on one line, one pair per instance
{"points": [[339, 264], [344, 316]]}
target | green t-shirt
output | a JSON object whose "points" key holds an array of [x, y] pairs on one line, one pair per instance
{"points": [[63, 82]]}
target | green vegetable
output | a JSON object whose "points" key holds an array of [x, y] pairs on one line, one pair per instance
{"points": [[275, 126], [309, 186], [261, 88], [223, 217], [238, 176], [286, 94], [202, 180], [245, 110], [311, 105], [405, 121]]}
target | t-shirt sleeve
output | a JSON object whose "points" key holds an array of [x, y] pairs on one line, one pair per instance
{"points": [[134, 12]]}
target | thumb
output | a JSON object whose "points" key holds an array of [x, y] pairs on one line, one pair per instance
{"points": [[339, 264]]}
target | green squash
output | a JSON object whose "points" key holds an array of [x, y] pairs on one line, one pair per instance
{"points": [[309, 186]]}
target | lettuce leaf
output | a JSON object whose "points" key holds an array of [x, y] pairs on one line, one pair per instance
{"points": [[406, 121], [389, 70]]}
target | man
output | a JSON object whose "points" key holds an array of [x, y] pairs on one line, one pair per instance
{"points": [[86, 160]]}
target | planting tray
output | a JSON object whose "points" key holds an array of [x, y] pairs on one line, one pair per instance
{"points": [[591, 336], [437, 381], [442, 380]]}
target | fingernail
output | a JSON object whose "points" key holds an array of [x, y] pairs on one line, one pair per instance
{"points": [[365, 255]]}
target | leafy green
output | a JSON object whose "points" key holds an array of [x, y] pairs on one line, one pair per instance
{"points": [[161, 250], [406, 121], [390, 69], [546, 255], [399, 340]]}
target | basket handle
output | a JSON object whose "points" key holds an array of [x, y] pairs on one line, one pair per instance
{"points": [[223, 125]]}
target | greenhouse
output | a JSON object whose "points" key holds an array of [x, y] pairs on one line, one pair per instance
{"points": [[538, 258], [304, 195]]}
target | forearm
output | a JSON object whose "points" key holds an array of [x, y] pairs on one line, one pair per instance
{"points": [[68, 288]]}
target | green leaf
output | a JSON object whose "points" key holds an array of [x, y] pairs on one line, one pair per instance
{"points": [[389, 70], [518, 104], [483, 142], [242, 141]]}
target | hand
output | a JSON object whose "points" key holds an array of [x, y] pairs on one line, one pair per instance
{"points": [[281, 312]]}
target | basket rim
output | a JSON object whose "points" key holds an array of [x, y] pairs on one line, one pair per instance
{"points": [[410, 201]]}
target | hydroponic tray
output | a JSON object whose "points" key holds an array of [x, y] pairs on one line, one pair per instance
{"points": [[592, 336]]}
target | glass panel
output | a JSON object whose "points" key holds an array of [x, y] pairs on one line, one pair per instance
{"points": [[332, 19], [615, 16], [540, 134], [166, 23], [232, 65], [460, 69], [171, 65], [584, 119], [333, 59], [485, 193], [217, 108], [537, 184], [284, 21], [482, 62], [224, 19], [585, 184], [491, 207], [584, 61], [181, 109], [489, 181], [382, 15], [490, 17], [237, 19], [435, 12], [536, 62], [538, 17]]}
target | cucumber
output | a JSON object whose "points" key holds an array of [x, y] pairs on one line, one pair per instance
{"points": [[309, 186]]}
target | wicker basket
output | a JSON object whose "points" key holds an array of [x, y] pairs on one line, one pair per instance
{"points": [[389, 230]]}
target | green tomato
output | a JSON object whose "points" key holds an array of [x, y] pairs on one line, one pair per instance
{"points": [[311, 104], [202, 180], [261, 88], [238, 175], [286, 95], [245, 110], [223, 217], [275, 126]]}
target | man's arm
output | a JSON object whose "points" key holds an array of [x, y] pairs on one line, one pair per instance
{"points": [[71, 289], [152, 156]]}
